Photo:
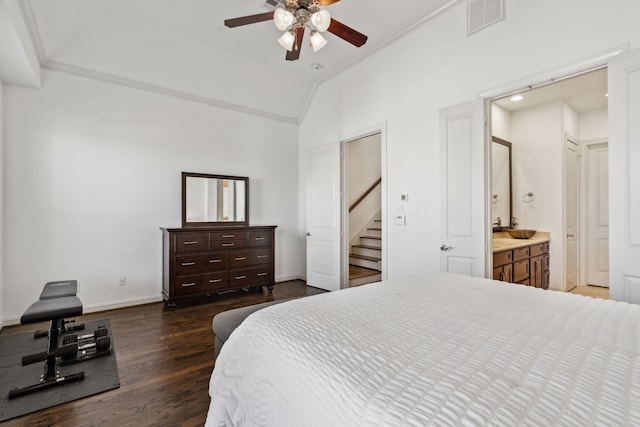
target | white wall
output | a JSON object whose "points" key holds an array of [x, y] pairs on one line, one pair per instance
{"points": [[92, 170], [593, 125], [537, 136], [436, 65], [1, 206]]}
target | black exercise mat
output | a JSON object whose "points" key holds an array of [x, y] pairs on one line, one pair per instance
{"points": [[100, 374]]}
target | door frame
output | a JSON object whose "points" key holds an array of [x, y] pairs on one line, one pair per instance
{"points": [[533, 81], [380, 128]]}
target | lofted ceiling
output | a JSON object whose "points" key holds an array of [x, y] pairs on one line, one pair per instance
{"points": [[184, 49]]}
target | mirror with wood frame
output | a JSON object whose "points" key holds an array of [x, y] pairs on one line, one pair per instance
{"points": [[501, 191], [210, 200]]}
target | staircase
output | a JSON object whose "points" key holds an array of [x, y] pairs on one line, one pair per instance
{"points": [[365, 258]]}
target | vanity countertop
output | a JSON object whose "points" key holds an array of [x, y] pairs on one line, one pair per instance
{"points": [[503, 242]]}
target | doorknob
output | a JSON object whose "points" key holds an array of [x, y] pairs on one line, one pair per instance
{"points": [[308, 234], [445, 248]]}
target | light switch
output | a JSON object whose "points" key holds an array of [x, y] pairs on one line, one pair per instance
{"points": [[401, 220], [404, 197]]}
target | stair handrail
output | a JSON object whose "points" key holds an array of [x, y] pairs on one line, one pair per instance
{"points": [[366, 193]]}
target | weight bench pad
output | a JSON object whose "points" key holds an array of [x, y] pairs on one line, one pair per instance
{"points": [[51, 309], [60, 288]]}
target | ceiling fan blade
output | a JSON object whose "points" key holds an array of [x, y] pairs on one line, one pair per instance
{"points": [[246, 20], [347, 33], [294, 54], [327, 2]]}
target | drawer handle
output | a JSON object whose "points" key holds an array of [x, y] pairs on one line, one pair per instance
{"points": [[186, 264], [186, 285], [262, 274], [240, 277], [228, 244], [260, 238], [215, 260], [215, 280], [191, 242], [228, 236], [262, 256], [241, 258]]}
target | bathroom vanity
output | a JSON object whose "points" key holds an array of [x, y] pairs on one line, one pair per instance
{"points": [[521, 261]]}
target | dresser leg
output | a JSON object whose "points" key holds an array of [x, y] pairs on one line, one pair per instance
{"points": [[171, 305], [270, 289]]}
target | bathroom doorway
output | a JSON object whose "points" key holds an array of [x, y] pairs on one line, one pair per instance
{"points": [[553, 129]]}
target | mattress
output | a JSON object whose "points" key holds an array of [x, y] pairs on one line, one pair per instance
{"points": [[437, 350]]}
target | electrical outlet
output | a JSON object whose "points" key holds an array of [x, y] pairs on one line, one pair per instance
{"points": [[123, 280]]}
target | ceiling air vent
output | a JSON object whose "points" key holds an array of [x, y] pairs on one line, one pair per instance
{"points": [[275, 3], [483, 13]]}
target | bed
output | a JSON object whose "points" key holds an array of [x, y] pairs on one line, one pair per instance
{"points": [[436, 350]]}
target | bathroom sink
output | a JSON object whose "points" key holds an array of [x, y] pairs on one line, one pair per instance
{"points": [[521, 234]]}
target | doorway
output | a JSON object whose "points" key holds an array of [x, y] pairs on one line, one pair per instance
{"points": [[551, 188], [363, 204]]}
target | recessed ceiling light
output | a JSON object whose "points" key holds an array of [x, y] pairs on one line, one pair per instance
{"points": [[516, 98], [317, 67]]}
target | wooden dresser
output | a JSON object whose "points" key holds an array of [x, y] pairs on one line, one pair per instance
{"points": [[200, 262], [525, 265]]}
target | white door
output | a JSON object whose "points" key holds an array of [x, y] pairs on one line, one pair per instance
{"points": [[624, 177], [598, 215], [571, 215], [463, 225], [323, 217]]}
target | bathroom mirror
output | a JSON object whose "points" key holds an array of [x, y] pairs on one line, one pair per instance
{"points": [[209, 200], [501, 198]]}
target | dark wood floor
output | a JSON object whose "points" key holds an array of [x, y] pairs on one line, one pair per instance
{"points": [[165, 359]]}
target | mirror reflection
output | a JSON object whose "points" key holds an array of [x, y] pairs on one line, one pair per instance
{"points": [[500, 184], [211, 199]]}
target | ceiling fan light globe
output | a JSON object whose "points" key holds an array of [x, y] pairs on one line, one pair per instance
{"points": [[321, 20], [286, 40], [282, 19], [317, 41]]}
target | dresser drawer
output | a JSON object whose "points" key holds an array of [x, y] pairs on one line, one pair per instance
{"points": [[520, 253], [227, 244], [251, 276], [260, 238], [191, 242], [502, 258], [203, 283], [249, 257], [228, 235], [201, 263]]}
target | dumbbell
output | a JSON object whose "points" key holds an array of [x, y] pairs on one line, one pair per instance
{"points": [[102, 344], [101, 331], [64, 352]]}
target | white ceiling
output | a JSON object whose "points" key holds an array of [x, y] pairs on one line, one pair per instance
{"points": [[586, 92], [184, 48]]}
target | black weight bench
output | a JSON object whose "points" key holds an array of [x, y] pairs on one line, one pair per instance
{"points": [[54, 309], [59, 289]]}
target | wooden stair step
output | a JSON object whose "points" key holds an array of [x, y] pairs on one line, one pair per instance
{"points": [[376, 248], [375, 228], [371, 237], [356, 272], [368, 258]]}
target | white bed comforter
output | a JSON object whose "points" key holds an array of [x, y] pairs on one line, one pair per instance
{"points": [[439, 350]]}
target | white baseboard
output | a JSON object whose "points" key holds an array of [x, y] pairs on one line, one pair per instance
{"points": [[288, 278], [93, 308]]}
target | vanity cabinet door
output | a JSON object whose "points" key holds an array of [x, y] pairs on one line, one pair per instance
{"points": [[536, 271], [521, 271]]}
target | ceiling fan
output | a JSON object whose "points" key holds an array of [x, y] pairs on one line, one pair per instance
{"points": [[295, 17]]}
